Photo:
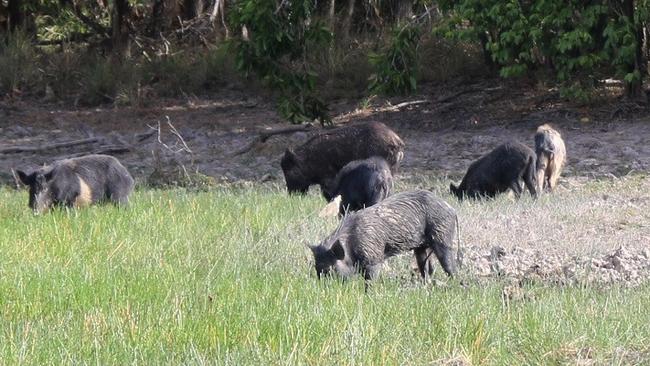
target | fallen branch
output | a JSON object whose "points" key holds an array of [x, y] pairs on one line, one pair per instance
{"points": [[58, 145], [112, 149], [175, 133], [145, 135], [265, 135], [178, 135], [402, 105], [107, 150]]}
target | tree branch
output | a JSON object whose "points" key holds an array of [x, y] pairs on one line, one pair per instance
{"points": [[265, 135]]}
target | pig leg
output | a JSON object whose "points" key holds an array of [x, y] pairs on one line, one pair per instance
{"points": [[554, 176], [423, 257], [530, 177], [540, 180], [516, 188], [370, 272]]}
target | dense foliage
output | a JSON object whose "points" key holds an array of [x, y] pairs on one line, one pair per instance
{"points": [[175, 47], [396, 67], [275, 45], [580, 42]]}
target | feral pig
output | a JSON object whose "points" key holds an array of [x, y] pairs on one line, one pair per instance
{"points": [[500, 169], [78, 182], [318, 160], [361, 183], [415, 220], [551, 155]]}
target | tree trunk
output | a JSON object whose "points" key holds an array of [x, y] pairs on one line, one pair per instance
{"points": [[192, 9], [219, 8], [119, 31], [348, 19], [646, 42], [487, 56], [16, 16], [404, 10], [332, 13], [157, 13]]}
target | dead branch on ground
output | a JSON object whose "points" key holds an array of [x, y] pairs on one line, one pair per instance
{"points": [[179, 146], [399, 106], [58, 145], [174, 132], [265, 135]]}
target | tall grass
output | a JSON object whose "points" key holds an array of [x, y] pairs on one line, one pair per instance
{"points": [[224, 277], [84, 76], [18, 64], [92, 76]]}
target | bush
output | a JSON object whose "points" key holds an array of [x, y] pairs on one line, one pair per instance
{"points": [[276, 47], [396, 67], [442, 59], [19, 64], [579, 41]]}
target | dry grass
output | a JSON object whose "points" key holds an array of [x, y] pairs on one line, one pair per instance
{"points": [[595, 231]]}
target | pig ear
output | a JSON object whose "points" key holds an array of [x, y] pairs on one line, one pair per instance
{"points": [[337, 250], [290, 157], [26, 179]]}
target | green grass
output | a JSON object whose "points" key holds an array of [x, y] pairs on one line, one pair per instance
{"points": [[224, 277]]}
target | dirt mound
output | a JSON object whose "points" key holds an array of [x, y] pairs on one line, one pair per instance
{"points": [[629, 267]]}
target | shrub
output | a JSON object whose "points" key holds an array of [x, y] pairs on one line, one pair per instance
{"points": [[19, 63], [396, 67], [279, 38]]}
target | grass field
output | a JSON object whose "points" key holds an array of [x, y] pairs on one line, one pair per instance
{"points": [[224, 277]]}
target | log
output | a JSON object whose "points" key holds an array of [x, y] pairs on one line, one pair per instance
{"points": [[57, 145], [112, 149], [107, 150]]}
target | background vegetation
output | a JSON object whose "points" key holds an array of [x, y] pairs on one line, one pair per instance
{"points": [[307, 52]]}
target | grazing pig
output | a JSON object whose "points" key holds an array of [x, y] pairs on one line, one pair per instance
{"points": [[415, 220], [551, 155], [361, 183], [318, 160], [500, 169], [78, 182]]}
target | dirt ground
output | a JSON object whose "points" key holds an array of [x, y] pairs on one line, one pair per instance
{"points": [[445, 128]]}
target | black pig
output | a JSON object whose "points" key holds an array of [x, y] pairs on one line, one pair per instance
{"points": [[500, 169], [362, 183], [318, 160], [78, 182]]}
